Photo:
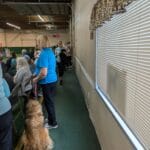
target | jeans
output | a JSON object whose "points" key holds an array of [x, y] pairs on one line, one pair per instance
{"points": [[49, 94], [6, 131]]}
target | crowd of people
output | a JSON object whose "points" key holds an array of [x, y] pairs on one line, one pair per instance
{"points": [[27, 76]]}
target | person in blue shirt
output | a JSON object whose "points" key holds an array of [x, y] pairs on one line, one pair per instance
{"points": [[5, 115], [46, 76]]}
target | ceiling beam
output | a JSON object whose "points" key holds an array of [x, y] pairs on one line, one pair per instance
{"points": [[2, 2], [50, 22]]}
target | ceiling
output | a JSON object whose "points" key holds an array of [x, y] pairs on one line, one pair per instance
{"points": [[35, 14]]}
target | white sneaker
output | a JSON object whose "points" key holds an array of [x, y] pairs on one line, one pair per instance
{"points": [[46, 120], [50, 126]]}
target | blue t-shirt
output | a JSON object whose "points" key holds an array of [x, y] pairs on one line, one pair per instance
{"points": [[57, 53], [47, 60]]}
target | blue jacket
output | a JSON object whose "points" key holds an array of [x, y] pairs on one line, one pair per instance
{"points": [[5, 105]]}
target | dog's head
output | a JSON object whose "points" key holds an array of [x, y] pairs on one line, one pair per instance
{"points": [[34, 115], [33, 106]]}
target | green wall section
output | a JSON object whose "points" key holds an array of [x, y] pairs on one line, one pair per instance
{"points": [[18, 119], [18, 49]]}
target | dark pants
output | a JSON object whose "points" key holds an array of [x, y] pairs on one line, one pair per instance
{"points": [[61, 69], [6, 131], [68, 63], [49, 94]]}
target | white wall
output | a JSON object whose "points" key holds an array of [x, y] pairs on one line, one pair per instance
{"points": [[110, 136], [20, 39]]}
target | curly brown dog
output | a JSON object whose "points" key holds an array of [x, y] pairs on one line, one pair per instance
{"points": [[36, 137]]}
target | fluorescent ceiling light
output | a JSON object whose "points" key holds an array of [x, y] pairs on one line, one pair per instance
{"points": [[41, 18], [50, 25], [12, 25]]}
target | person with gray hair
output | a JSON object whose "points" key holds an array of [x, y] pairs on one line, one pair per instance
{"points": [[24, 52], [25, 55], [22, 75], [23, 78], [5, 115]]}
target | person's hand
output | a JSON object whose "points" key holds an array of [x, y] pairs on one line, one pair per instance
{"points": [[35, 80], [33, 76]]}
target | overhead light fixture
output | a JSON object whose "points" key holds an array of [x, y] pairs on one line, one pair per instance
{"points": [[50, 27], [12, 25], [41, 18]]}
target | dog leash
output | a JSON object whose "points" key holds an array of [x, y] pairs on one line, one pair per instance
{"points": [[35, 91]]}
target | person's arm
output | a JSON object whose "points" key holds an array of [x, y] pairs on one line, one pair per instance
{"points": [[43, 64], [41, 75], [19, 75], [6, 88]]}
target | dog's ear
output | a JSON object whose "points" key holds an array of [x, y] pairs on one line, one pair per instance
{"points": [[32, 103]]}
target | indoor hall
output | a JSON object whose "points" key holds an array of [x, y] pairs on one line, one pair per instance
{"points": [[94, 55]]}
